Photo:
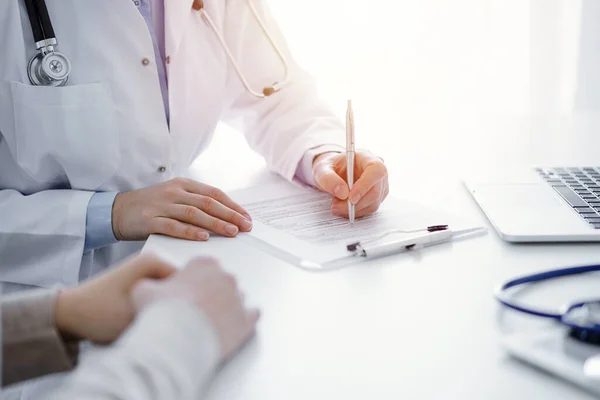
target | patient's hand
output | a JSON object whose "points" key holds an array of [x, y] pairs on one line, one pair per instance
{"points": [[204, 284], [101, 309]]}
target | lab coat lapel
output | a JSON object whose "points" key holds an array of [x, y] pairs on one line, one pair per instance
{"points": [[177, 13]]}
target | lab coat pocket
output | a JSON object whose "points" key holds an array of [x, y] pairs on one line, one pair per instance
{"points": [[69, 130]]}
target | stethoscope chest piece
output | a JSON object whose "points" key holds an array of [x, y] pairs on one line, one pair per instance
{"points": [[583, 319], [51, 69], [48, 67]]}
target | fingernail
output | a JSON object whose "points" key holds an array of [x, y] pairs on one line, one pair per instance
{"points": [[339, 191], [248, 217], [203, 235], [246, 225], [231, 229], [354, 198]]}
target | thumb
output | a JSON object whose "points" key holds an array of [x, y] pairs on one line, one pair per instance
{"points": [[160, 270], [252, 317], [329, 181], [151, 266]]}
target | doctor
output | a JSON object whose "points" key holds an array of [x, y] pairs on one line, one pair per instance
{"points": [[120, 98]]}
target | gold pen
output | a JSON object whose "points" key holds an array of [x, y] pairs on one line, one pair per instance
{"points": [[350, 156]]}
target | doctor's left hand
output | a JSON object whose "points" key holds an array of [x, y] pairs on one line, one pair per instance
{"points": [[370, 186], [181, 208]]}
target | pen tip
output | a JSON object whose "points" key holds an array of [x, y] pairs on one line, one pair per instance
{"points": [[349, 103]]}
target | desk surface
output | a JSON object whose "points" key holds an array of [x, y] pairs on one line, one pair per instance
{"points": [[421, 325]]}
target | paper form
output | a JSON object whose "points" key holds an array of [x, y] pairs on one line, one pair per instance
{"points": [[308, 217], [296, 223]]}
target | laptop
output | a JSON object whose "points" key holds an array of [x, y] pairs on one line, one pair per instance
{"points": [[549, 204]]}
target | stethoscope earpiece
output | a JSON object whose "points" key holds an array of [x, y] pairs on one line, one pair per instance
{"points": [[268, 91]]}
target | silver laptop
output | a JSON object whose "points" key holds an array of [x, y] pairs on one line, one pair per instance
{"points": [[559, 204]]}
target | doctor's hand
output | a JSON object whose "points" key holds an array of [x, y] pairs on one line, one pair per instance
{"points": [[215, 292], [101, 309], [370, 182], [181, 208]]}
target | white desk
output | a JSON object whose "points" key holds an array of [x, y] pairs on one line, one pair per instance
{"points": [[413, 326]]}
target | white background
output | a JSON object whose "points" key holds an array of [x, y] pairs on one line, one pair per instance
{"points": [[431, 68], [496, 56]]}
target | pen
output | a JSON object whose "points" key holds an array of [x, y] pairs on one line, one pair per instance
{"points": [[350, 156], [435, 234], [401, 246]]}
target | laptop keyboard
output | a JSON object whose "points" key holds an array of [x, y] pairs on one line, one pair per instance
{"points": [[580, 187]]}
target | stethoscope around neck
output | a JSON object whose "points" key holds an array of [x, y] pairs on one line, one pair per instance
{"points": [[52, 68], [582, 318]]}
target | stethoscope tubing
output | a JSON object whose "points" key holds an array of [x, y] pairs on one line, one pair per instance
{"points": [[501, 294], [39, 19], [43, 34]]}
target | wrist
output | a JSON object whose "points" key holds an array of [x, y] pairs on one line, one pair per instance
{"points": [[66, 314], [116, 211], [322, 156]]}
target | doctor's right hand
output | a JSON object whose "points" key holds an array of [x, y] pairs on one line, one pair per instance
{"points": [[180, 208]]}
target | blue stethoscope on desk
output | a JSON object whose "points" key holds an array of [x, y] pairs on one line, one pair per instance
{"points": [[582, 318]]}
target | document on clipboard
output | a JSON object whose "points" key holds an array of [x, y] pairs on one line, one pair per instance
{"points": [[295, 223]]}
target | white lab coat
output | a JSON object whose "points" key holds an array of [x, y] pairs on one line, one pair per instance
{"points": [[107, 131]]}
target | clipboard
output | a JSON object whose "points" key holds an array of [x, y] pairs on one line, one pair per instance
{"points": [[295, 224]]}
